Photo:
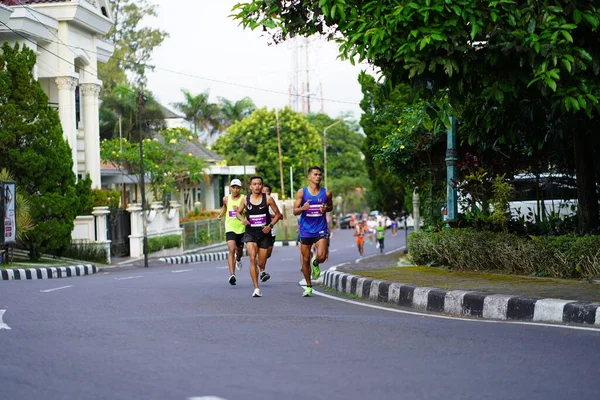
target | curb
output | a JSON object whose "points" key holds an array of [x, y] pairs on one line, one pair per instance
{"points": [[203, 257], [462, 302], [216, 256], [9, 274]]}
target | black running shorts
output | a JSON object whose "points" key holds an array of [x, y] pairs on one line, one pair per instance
{"points": [[263, 240], [309, 241], [235, 236]]}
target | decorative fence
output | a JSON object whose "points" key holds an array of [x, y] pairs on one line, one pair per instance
{"points": [[159, 222]]}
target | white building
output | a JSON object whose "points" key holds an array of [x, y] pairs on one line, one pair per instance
{"points": [[68, 38]]}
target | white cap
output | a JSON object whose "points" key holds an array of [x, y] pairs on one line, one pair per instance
{"points": [[236, 182]]}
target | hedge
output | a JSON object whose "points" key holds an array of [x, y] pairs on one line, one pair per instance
{"points": [[568, 256]]}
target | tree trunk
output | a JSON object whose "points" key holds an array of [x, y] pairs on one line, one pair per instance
{"points": [[586, 182]]}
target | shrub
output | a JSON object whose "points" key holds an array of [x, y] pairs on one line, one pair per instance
{"points": [[568, 256], [163, 242], [87, 252]]}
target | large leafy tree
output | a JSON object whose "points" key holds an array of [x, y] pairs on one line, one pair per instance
{"points": [[204, 115], [134, 43], [502, 50], [33, 150], [253, 141]]}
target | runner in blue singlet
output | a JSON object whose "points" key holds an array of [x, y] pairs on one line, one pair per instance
{"points": [[312, 203]]}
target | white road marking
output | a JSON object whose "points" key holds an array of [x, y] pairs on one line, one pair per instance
{"points": [[177, 271], [2, 324], [333, 251], [579, 328], [223, 267], [129, 277], [206, 398], [52, 290], [288, 259]]}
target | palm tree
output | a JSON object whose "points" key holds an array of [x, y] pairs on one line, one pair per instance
{"points": [[203, 115], [237, 111]]}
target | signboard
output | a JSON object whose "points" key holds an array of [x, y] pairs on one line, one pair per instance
{"points": [[8, 209]]}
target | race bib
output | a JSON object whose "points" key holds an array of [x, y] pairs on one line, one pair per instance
{"points": [[314, 211], [257, 220], [232, 214]]}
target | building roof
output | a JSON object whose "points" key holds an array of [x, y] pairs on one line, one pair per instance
{"points": [[21, 2]]}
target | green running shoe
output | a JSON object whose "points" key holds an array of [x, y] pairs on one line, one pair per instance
{"points": [[316, 271], [307, 292]]}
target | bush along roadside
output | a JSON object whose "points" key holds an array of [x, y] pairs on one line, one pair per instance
{"points": [[568, 256], [163, 242]]}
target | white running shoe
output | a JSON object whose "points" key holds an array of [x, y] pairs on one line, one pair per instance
{"points": [[256, 293], [238, 265]]}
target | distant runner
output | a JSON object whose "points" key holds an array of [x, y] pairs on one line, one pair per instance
{"points": [[234, 229]]}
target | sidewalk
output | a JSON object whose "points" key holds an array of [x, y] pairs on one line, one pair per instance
{"points": [[480, 294]]}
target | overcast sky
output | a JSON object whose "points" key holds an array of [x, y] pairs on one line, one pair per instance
{"points": [[208, 46]]}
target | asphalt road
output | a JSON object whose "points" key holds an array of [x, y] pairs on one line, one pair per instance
{"points": [[181, 331]]}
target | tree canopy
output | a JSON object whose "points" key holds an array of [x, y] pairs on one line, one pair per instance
{"points": [[34, 151], [499, 51], [253, 141]]}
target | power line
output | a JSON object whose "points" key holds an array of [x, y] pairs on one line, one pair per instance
{"points": [[166, 69]]}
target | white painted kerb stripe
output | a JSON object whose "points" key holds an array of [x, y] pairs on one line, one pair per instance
{"points": [[2, 324], [550, 310], [495, 306]]}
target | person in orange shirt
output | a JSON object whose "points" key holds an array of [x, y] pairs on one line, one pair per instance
{"points": [[359, 232]]}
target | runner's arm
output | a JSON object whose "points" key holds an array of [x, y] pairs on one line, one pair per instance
{"points": [[223, 209], [298, 207], [275, 209], [242, 210]]}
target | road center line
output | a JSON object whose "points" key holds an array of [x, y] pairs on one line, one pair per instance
{"points": [[129, 277], [177, 271], [58, 288], [2, 324]]}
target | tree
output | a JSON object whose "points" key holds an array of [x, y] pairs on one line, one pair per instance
{"points": [[203, 115], [167, 163], [133, 44], [253, 141], [503, 50], [122, 103], [33, 149], [235, 111]]}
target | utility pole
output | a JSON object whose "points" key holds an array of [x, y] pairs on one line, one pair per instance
{"points": [[140, 101], [325, 150], [451, 158], [285, 222]]}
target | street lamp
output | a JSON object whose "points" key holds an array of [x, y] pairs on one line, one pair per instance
{"points": [[325, 149]]}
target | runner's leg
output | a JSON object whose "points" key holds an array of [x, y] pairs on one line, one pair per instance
{"points": [[252, 254]]}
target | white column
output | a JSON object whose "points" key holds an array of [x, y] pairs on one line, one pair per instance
{"points": [[136, 248], [66, 111], [101, 214], [91, 124]]}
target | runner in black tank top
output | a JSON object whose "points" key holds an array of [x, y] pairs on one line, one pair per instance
{"points": [[258, 224]]}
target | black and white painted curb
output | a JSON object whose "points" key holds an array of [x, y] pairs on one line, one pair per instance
{"points": [[7, 274], [461, 302], [194, 258]]}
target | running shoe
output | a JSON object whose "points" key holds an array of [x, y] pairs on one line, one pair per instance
{"points": [[256, 293], [264, 276], [307, 292], [316, 271], [238, 265], [232, 280]]}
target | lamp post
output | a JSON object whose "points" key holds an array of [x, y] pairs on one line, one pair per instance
{"points": [[325, 149], [141, 100]]}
